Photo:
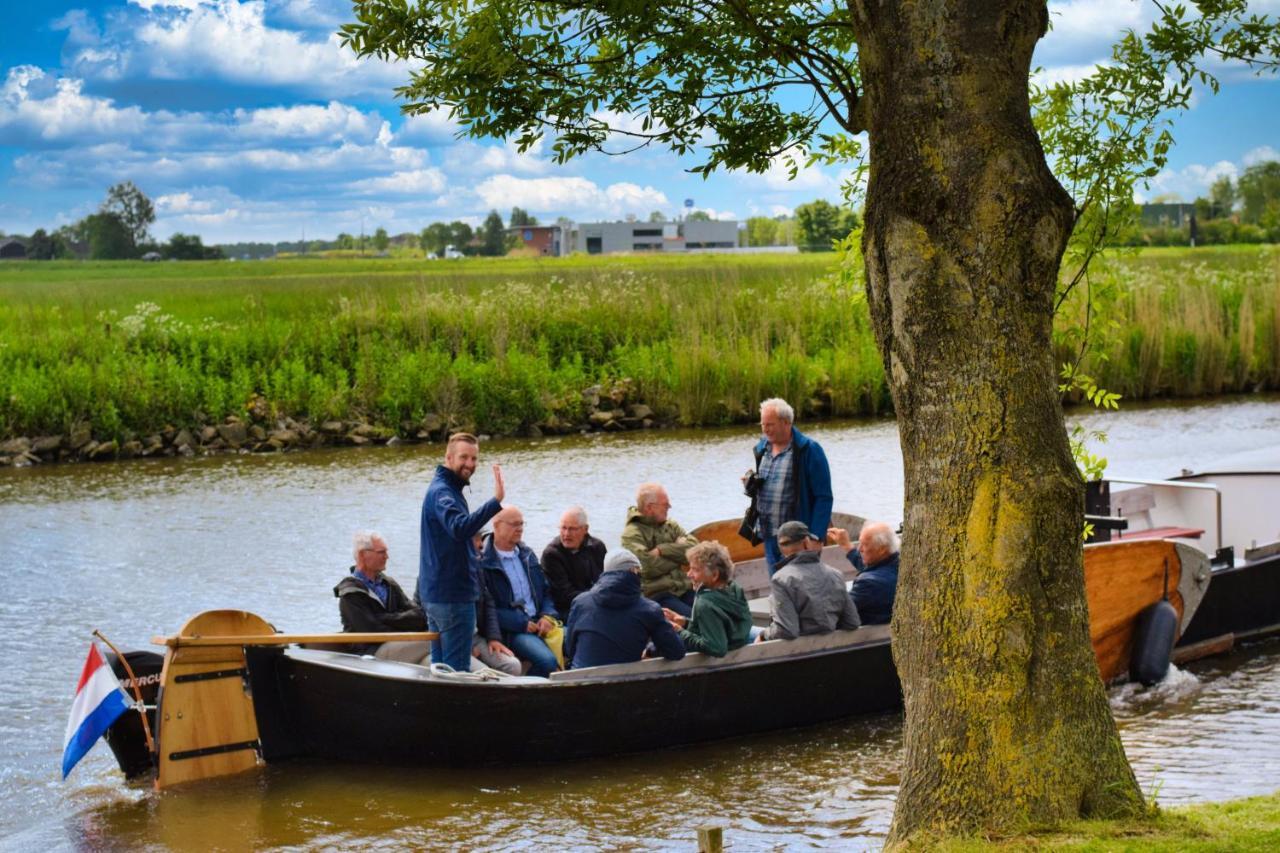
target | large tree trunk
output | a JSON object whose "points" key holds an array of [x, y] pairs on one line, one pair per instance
{"points": [[1007, 721]]}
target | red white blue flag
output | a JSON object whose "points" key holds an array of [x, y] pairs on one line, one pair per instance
{"points": [[99, 702]]}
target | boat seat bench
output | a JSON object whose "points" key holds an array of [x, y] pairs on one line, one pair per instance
{"points": [[1163, 533], [746, 654]]}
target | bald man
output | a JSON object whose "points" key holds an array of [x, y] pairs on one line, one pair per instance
{"points": [[521, 594]]}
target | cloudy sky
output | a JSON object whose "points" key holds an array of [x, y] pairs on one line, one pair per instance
{"points": [[245, 120]]}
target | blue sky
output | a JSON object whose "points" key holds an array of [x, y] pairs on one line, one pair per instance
{"points": [[245, 120]]}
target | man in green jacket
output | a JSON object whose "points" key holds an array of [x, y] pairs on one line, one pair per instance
{"points": [[661, 545]]}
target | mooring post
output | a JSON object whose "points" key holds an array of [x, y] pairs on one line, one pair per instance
{"points": [[710, 839]]}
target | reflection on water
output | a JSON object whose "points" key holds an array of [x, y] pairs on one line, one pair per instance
{"points": [[136, 548]]}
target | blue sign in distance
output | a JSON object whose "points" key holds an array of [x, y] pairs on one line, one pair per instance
{"points": [[688, 202]]}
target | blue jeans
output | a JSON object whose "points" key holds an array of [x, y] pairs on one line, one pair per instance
{"points": [[772, 554], [682, 604], [530, 647], [456, 623]]}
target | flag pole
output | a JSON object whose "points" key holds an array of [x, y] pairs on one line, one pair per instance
{"points": [[137, 693]]}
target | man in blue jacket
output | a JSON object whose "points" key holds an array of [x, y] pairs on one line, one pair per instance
{"points": [[876, 559], [448, 572], [520, 592], [792, 480], [612, 622]]}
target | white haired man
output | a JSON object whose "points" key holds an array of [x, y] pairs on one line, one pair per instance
{"points": [[876, 559], [574, 560], [661, 545], [370, 601], [791, 480]]}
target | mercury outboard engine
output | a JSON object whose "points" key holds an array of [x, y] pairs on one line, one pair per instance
{"points": [[126, 737]]}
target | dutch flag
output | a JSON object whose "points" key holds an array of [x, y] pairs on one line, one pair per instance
{"points": [[99, 702]]}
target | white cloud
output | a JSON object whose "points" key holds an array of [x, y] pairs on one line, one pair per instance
{"points": [[471, 158], [811, 179], [572, 196], [226, 40], [416, 182], [433, 127], [34, 106], [1261, 154], [334, 121], [1187, 183]]}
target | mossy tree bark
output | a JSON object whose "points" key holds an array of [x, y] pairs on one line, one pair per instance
{"points": [[1007, 721]]}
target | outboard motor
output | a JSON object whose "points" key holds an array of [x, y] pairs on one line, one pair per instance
{"points": [[1153, 637], [126, 737]]}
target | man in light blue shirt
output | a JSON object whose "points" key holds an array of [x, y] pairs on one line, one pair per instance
{"points": [[521, 594]]}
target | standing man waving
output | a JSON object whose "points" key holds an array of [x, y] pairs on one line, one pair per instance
{"points": [[793, 479], [448, 569]]}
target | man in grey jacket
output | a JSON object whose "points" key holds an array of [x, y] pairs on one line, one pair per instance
{"points": [[806, 595]]}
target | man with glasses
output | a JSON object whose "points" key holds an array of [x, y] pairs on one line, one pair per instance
{"points": [[369, 601], [573, 560], [521, 594]]}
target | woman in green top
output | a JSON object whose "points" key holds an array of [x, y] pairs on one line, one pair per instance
{"points": [[721, 620]]}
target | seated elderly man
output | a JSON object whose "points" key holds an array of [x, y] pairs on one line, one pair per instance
{"points": [[876, 559], [806, 595], [721, 620], [661, 545], [573, 560], [371, 601], [613, 623], [521, 595]]}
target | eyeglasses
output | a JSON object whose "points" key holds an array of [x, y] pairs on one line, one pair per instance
{"points": [[382, 551]]}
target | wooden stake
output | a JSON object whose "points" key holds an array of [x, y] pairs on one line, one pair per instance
{"points": [[710, 839]]}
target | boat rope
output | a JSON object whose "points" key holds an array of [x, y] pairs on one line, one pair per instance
{"points": [[137, 694], [443, 670]]}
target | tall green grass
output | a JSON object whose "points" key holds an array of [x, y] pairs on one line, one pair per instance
{"points": [[504, 344]]}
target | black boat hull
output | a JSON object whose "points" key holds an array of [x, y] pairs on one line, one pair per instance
{"points": [[340, 712]]}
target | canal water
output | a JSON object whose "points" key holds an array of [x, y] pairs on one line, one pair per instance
{"points": [[135, 548]]}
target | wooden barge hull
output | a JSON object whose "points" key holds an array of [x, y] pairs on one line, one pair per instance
{"points": [[338, 707]]}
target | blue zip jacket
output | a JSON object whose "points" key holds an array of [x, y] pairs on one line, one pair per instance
{"points": [[612, 623], [812, 482], [447, 566], [512, 618], [875, 588]]}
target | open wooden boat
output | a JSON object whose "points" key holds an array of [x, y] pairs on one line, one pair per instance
{"points": [[234, 694]]}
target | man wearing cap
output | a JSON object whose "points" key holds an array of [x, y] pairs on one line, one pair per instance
{"points": [[792, 480], [806, 595], [612, 622], [876, 559]]}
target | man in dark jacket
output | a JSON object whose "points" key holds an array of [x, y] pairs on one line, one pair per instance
{"points": [[792, 480], [448, 573], [612, 622], [371, 602], [573, 560], [876, 559], [521, 596]]}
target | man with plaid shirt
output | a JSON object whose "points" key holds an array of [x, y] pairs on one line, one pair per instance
{"points": [[792, 478]]}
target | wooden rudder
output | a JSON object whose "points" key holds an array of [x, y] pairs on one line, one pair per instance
{"points": [[205, 720]]}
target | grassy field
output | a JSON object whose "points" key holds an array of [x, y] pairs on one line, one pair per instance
{"points": [[508, 343]]}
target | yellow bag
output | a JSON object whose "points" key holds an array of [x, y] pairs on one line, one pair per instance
{"points": [[555, 640]]}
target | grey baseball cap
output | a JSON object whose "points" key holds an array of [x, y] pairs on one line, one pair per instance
{"points": [[794, 531]]}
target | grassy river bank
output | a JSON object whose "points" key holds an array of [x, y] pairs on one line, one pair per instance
{"points": [[1240, 826], [129, 358]]}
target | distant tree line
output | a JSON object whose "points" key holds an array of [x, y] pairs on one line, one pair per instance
{"points": [[119, 230], [1246, 210]]}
